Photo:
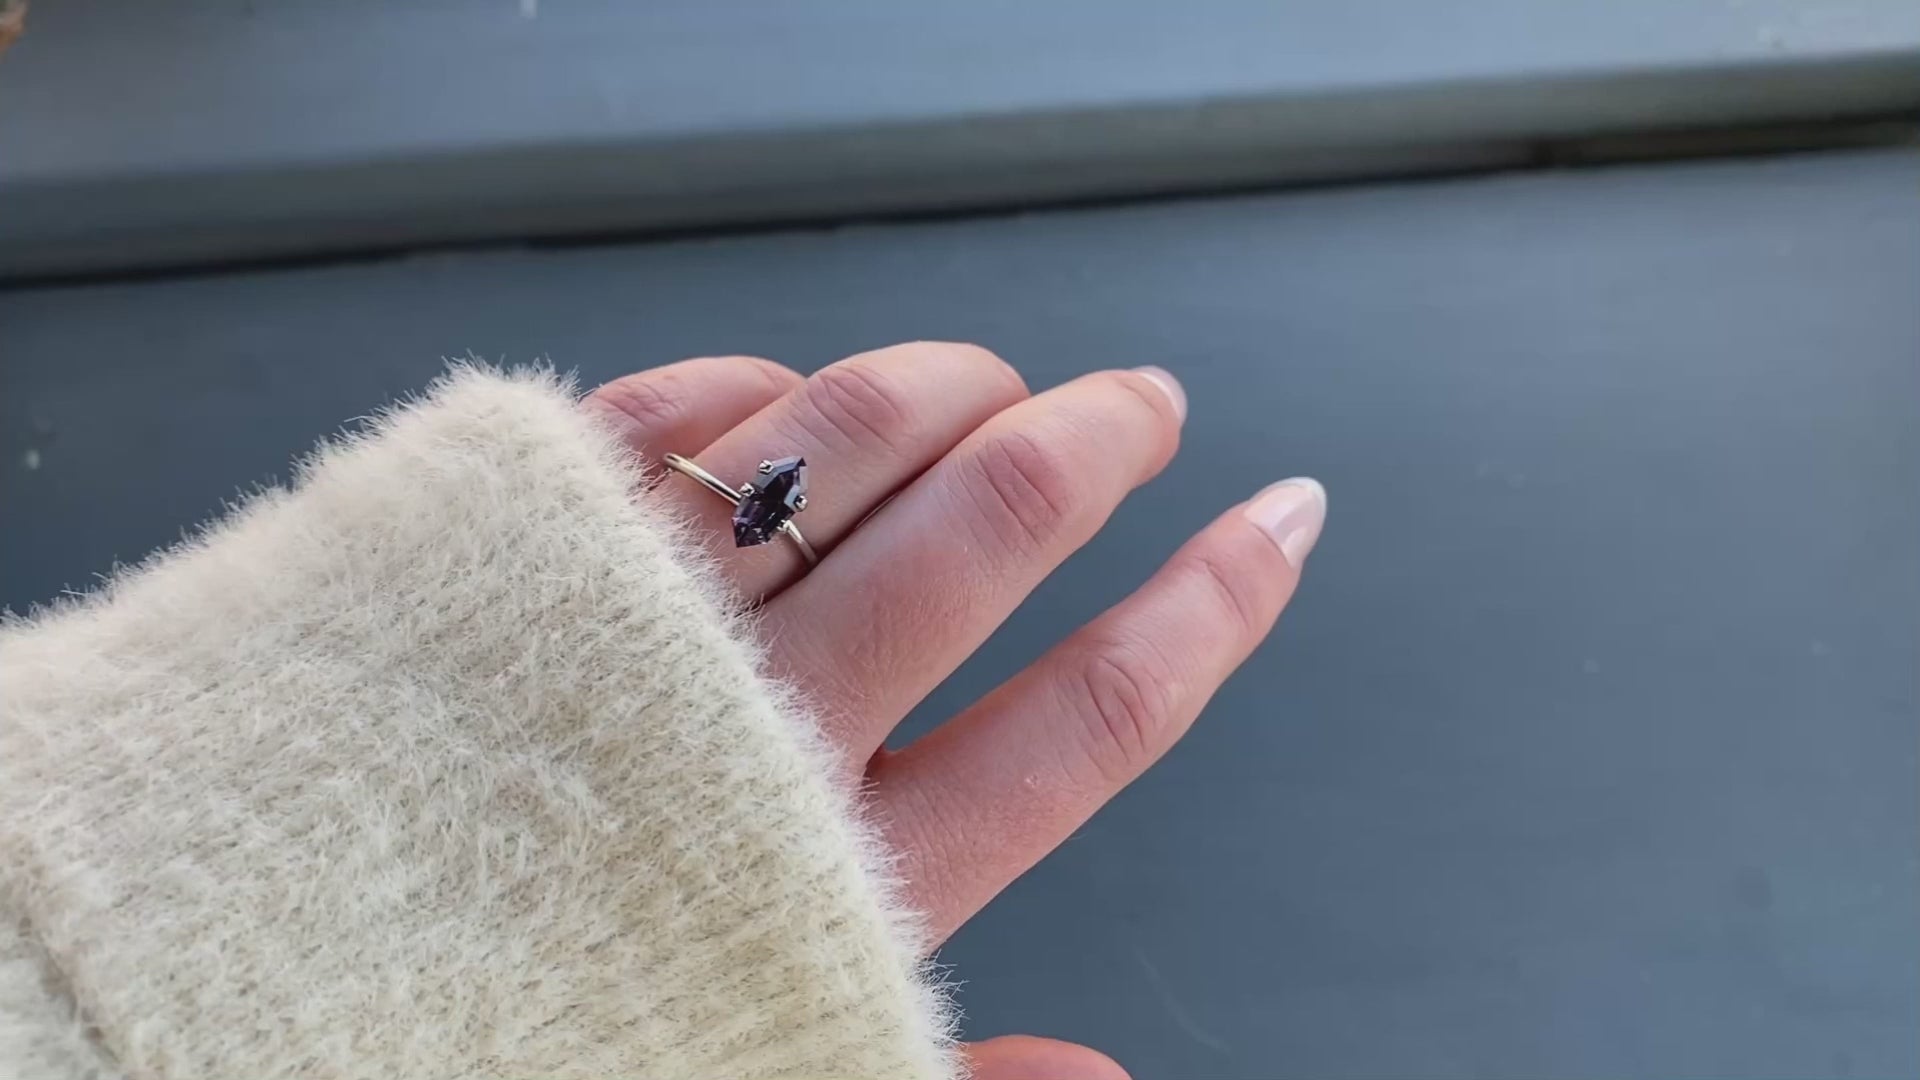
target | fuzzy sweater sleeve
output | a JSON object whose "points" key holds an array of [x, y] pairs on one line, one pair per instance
{"points": [[447, 762]]}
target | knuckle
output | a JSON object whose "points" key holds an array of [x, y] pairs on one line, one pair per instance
{"points": [[1024, 489], [1127, 701], [854, 403], [1232, 592], [648, 401]]}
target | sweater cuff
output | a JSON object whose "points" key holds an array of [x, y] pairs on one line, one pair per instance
{"points": [[451, 760]]}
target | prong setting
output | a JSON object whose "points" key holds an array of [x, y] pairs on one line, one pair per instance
{"points": [[778, 491]]}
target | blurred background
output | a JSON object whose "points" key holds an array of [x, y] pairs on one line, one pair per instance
{"points": [[1590, 747]]}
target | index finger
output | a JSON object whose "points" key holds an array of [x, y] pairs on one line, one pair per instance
{"points": [[980, 799]]}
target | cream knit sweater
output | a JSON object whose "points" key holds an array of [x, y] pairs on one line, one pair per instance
{"points": [[448, 762]]}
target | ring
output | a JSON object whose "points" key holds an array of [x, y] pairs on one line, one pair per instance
{"points": [[762, 507]]}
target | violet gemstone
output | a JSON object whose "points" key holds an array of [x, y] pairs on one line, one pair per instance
{"points": [[774, 499]]}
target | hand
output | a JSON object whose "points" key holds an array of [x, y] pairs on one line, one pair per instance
{"points": [[990, 489]]}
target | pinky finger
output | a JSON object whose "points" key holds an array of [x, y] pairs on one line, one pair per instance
{"points": [[685, 406], [979, 800]]}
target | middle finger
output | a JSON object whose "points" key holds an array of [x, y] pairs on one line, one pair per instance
{"points": [[912, 593]]}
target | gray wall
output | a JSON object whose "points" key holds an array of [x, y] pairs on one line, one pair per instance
{"points": [[135, 133]]}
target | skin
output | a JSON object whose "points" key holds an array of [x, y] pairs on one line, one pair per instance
{"points": [[942, 494]]}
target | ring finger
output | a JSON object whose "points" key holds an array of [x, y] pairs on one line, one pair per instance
{"points": [[866, 425]]}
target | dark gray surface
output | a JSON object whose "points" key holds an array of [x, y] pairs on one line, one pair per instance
{"points": [[1589, 747], [137, 133]]}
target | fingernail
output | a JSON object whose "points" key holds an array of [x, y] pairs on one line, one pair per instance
{"points": [[1291, 513], [1169, 386]]}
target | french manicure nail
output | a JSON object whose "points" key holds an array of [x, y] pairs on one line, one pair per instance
{"points": [[1169, 386], [1291, 513]]}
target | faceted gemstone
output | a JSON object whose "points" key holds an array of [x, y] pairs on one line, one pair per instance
{"points": [[775, 496]]}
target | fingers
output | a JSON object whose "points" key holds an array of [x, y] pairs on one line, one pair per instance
{"points": [[1025, 1057], [912, 593], [685, 406], [982, 798], [867, 425]]}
